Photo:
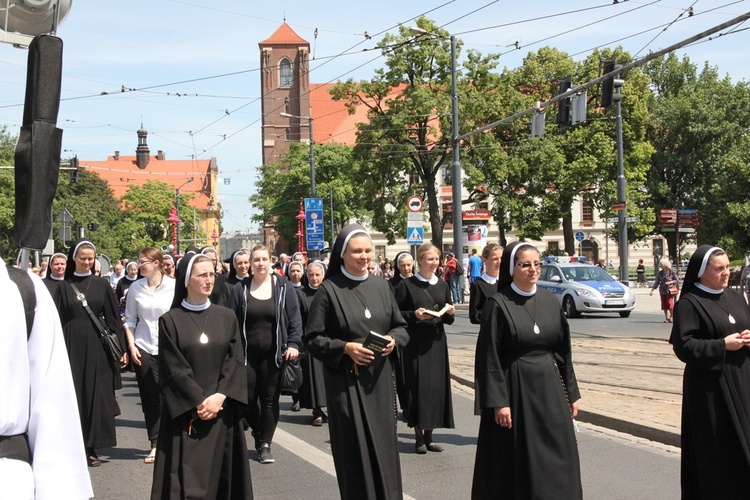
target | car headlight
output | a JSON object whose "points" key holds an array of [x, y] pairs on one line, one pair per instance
{"points": [[584, 293]]}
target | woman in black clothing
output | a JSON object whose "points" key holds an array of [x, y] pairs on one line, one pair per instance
{"points": [[486, 285], [425, 357], [131, 274], [239, 269], [267, 310], [95, 377], [312, 393], [404, 269], [711, 335]]}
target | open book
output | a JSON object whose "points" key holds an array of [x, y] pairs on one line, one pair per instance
{"points": [[376, 342], [439, 313]]}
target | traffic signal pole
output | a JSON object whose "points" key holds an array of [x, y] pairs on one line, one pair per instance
{"points": [[622, 225]]}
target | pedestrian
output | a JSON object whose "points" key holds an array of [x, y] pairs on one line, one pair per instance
{"points": [[640, 273], [312, 393], [295, 272], [452, 276], [425, 358], [745, 280], [711, 335], [116, 276], [359, 389], [56, 275], [147, 299], [41, 447], [526, 389], [201, 452], [668, 284], [404, 268], [487, 284], [387, 269], [373, 268], [131, 274], [168, 265], [239, 269], [95, 376], [475, 266], [267, 311], [221, 278]]}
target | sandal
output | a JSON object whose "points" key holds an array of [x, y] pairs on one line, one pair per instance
{"points": [[93, 461], [151, 458], [317, 421]]}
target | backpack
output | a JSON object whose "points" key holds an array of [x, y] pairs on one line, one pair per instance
{"points": [[28, 295], [459, 268]]}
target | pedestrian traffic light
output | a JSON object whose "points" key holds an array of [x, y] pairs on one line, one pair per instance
{"points": [[563, 106], [608, 85]]}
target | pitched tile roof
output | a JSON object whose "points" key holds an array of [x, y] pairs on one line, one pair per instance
{"points": [[285, 35]]}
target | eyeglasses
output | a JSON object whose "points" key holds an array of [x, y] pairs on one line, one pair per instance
{"points": [[527, 265], [144, 262]]}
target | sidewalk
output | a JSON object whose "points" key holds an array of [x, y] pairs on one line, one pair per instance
{"points": [[628, 384]]}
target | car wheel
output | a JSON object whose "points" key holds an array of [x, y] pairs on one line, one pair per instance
{"points": [[569, 307], [624, 314]]}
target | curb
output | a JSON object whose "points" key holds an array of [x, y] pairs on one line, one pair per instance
{"points": [[634, 429]]}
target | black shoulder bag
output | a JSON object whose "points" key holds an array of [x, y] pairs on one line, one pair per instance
{"points": [[109, 338]]}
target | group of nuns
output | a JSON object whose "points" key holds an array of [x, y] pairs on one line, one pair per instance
{"points": [[526, 390]]}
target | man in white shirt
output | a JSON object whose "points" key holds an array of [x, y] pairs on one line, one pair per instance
{"points": [[37, 402]]}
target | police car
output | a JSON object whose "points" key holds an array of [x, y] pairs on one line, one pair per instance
{"points": [[585, 288]]}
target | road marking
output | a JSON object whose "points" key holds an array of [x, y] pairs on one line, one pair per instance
{"points": [[309, 453]]}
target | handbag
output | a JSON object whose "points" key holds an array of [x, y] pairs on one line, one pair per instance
{"points": [[291, 377], [673, 289], [109, 339]]}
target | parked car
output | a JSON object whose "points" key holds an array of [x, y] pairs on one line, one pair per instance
{"points": [[586, 288]]}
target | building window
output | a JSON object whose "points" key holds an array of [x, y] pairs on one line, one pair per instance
{"points": [[287, 135], [285, 73], [414, 179], [447, 207], [380, 251], [553, 248], [286, 105], [587, 212]]}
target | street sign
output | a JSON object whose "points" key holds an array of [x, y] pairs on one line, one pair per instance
{"points": [[619, 205], [414, 204], [65, 217], [314, 224], [686, 229], [415, 216], [613, 220], [631, 219], [580, 236], [415, 235]]}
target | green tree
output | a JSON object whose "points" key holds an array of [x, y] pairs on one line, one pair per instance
{"points": [[7, 193], [699, 133], [404, 144], [283, 183]]}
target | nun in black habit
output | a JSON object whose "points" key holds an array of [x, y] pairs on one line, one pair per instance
{"points": [[711, 334], [53, 281], [239, 269], [202, 452], [359, 382], [95, 377], [526, 389]]}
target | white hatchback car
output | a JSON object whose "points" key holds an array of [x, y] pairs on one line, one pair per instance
{"points": [[585, 288]]}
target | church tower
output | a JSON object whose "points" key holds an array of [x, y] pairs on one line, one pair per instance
{"points": [[285, 88]]}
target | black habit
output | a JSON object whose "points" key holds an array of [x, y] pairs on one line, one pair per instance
{"points": [[312, 393], [201, 458], [425, 358], [715, 438], [517, 368], [360, 399], [479, 292], [95, 377]]}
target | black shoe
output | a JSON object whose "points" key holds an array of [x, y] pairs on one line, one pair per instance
{"points": [[420, 448], [295, 406], [264, 454], [434, 447]]}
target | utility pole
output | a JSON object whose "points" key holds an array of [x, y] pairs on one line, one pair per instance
{"points": [[622, 225]]}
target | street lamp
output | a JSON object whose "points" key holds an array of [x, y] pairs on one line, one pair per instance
{"points": [[177, 213], [312, 152], [455, 147]]}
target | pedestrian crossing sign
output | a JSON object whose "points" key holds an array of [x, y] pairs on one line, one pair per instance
{"points": [[415, 235]]}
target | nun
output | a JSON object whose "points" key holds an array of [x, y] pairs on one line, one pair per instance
{"points": [[55, 273], [239, 269], [311, 394], [221, 278], [131, 275], [348, 306], [404, 269], [201, 451], [711, 334], [95, 377], [487, 284], [168, 265], [526, 446]]}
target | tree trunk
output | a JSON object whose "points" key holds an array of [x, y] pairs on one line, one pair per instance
{"points": [[568, 237], [433, 208]]}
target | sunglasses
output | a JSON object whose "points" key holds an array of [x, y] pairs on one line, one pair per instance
{"points": [[527, 265]]}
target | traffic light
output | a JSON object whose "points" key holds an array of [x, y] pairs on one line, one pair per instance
{"points": [[563, 106], [608, 85], [74, 170], [92, 226]]}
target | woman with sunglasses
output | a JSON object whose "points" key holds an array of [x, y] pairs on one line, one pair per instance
{"points": [[526, 389]]}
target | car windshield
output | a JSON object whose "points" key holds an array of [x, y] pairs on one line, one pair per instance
{"points": [[586, 273]]}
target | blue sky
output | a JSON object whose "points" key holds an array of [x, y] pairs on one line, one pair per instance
{"points": [[196, 66]]}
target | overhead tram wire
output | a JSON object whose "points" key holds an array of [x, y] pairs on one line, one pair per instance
{"points": [[667, 27], [574, 90]]}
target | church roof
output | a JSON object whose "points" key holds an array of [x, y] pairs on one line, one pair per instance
{"points": [[285, 35], [122, 171]]}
